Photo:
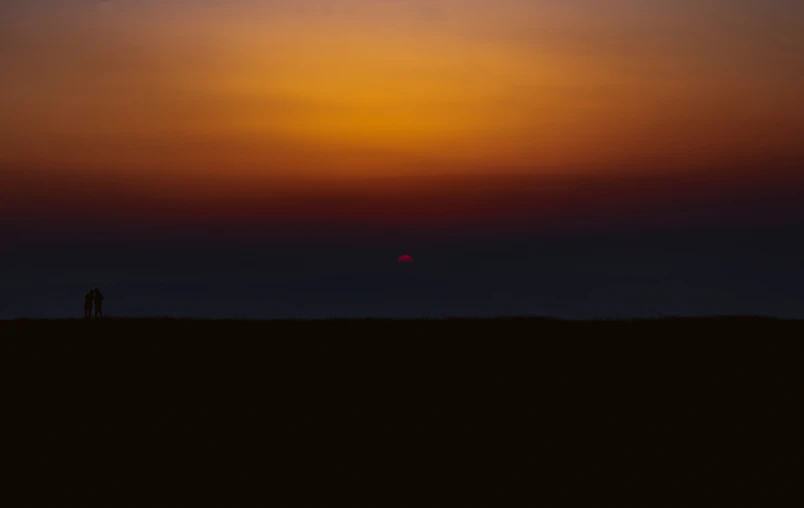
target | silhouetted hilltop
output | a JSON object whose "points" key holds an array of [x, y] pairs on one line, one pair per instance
{"points": [[391, 400], [453, 321]]}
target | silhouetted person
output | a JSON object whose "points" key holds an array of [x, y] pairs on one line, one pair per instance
{"points": [[88, 299], [98, 303]]}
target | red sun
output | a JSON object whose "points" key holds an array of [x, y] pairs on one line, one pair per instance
{"points": [[405, 259]]}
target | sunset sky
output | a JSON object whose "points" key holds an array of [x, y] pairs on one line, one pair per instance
{"points": [[126, 116]]}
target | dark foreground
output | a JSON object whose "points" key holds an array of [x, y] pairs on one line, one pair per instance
{"points": [[379, 411]]}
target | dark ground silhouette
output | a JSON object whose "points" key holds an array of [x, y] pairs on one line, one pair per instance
{"points": [[381, 409]]}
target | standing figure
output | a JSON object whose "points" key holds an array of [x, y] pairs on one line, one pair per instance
{"points": [[88, 299], [98, 303]]}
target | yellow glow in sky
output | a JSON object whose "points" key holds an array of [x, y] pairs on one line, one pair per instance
{"points": [[362, 89]]}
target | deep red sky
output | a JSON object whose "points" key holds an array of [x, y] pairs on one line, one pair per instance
{"points": [[441, 112]]}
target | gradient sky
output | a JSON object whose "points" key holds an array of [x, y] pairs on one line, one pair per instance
{"points": [[130, 118]]}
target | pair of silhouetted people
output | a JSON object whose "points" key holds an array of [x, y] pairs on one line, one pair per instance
{"points": [[93, 297]]}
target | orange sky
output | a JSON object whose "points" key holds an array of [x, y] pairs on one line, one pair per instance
{"points": [[242, 97]]}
